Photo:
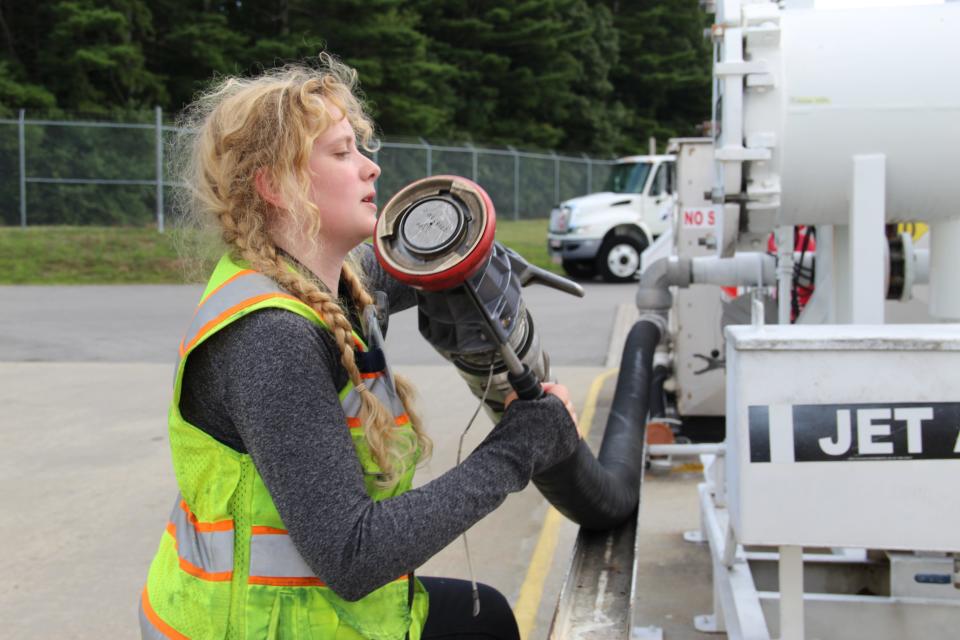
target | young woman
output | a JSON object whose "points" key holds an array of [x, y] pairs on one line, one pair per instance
{"points": [[293, 449]]}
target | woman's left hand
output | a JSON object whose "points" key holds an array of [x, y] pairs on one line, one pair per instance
{"points": [[554, 389]]}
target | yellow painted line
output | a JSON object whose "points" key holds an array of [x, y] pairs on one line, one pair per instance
{"points": [[532, 588], [590, 406]]}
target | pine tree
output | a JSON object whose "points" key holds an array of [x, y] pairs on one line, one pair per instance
{"points": [[522, 65], [91, 56], [409, 92], [193, 41], [663, 75]]}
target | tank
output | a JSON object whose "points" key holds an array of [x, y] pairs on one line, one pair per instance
{"points": [[821, 86]]}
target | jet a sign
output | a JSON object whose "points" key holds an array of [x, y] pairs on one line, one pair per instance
{"points": [[841, 432]]}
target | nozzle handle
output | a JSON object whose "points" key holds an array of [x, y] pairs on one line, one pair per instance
{"points": [[526, 384]]}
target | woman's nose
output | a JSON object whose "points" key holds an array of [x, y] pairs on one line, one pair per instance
{"points": [[373, 170]]}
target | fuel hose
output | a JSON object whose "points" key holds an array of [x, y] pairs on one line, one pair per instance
{"points": [[601, 492]]}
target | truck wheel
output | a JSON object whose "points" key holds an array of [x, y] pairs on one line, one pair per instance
{"points": [[580, 269], [619, 258]]}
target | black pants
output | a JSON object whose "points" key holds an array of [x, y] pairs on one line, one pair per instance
{"points": [[451, 612]]}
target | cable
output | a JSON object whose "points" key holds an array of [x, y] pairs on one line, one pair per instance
{"points": [[466, 545]]}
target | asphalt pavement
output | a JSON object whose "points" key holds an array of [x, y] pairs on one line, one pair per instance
{"points": [[144, 323]]}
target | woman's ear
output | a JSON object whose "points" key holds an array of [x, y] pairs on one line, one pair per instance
{"points": [[267, 190]]}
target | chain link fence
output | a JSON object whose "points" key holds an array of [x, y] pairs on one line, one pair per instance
{"points": [[60, 172]]}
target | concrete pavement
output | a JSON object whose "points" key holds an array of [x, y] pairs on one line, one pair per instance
{"points": [[85, 378], [85, 467]]}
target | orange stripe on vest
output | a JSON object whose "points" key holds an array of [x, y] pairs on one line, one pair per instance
{"points": [[261, 530], [219, 525], [245, 272], [296, 582], [229, 312], [184, 348], [192, 569], [155, 620], [353, 421], [286, 582]]}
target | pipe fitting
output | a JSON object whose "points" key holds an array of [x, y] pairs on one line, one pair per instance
{"points": [[743, 269], [653, 294]]}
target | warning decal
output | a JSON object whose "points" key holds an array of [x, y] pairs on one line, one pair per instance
{"points": [[699, 218], [829, 432]]}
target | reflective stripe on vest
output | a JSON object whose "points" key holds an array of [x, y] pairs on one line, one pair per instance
{"points": [[275, 561], [151, 626], [200, 540], [205, 549], [245, 289], [382, 387], [239, 292]]}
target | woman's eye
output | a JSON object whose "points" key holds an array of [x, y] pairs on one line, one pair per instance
{"points": [[342, 154]]}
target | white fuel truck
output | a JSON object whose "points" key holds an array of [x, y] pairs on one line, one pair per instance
{"points": [[606, 232]]}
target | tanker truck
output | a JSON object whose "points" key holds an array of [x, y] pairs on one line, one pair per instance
{"points": [[826, 508]]}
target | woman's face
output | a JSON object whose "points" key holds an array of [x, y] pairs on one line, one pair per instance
{"points": [[342, 185]]}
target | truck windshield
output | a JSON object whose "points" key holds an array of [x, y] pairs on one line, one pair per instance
{"points": [[628, 177]]}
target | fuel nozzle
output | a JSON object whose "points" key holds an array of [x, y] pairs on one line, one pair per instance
{"points": [[437, 234]]}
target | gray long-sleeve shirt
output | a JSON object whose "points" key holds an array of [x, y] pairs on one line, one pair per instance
{"points": [[267, 384]]}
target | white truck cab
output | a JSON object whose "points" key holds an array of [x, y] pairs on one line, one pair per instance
{"points": [[606, 232]]}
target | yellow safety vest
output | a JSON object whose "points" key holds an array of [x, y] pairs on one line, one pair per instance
{"points": [[226, 567]]}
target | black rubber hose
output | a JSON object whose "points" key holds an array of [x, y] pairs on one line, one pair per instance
{"points": [[601, 492], [657, 402]]}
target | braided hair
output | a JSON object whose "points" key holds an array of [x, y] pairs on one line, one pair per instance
{"points": [[269, 123]]}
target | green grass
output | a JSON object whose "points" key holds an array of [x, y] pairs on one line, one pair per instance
{"points": [[529, 239], [123, 255], [87, 255]]}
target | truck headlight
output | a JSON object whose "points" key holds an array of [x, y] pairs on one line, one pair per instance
{"points": [[560, 219]]}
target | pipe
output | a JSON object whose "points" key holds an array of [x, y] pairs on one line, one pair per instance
{"points": [[691, 450], [743, 269], [600, 493]]}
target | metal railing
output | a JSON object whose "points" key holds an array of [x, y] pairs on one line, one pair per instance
{"points": [[112, 173]]}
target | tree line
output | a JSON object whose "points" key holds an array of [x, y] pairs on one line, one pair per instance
{"points": [[596, 76]]}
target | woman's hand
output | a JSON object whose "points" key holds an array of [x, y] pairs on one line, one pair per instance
{"points": [[557, 390]]}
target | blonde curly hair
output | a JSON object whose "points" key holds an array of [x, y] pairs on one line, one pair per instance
{"points": [[268, 124]]}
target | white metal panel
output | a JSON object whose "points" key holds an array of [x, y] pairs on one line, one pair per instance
{"points": [[697, 309], [875, 500], [944, 267]]}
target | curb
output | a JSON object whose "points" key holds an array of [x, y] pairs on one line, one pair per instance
{"points": [[624, 319]]}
